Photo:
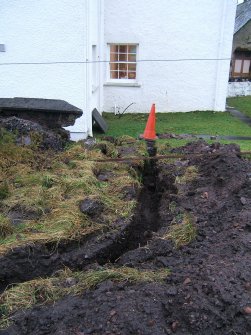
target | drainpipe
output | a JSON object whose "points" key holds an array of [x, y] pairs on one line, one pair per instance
{"points": [[87, 81], [101, 54], [219, 55]]}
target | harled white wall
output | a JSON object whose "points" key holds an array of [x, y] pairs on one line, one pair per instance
{"points": [[172, 29], [44, 31]]}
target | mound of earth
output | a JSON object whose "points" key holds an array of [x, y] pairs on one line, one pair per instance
{"points": [[32, 133], [208, 291]]}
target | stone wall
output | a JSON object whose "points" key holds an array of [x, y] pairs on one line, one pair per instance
{"points": [[239, 89]]}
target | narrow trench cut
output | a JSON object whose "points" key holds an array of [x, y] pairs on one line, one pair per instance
{"points": [[145, 220]]}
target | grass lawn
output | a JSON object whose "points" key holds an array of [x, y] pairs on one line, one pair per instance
{"points": [[243, 104], [208, 122]]}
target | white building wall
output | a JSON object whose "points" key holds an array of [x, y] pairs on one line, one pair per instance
{"points": [[51, 33], [185, 29]]}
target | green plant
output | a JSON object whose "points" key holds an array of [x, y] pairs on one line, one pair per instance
{"points": [[191, 173], [6, 227], [125, 139], [107, 148], [47, 181], [36, 139], [72, 164], [4, 190], [184, 232], [6, 137]]}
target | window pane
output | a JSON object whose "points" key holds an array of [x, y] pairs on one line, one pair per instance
{"points": [[114, 48], [123, 66], [132, 49], [237, 66], [114, 74], [122, 74], [114, 57], [123, 49], [114, 66], [132, 67], [123, 58], [131, 75], [246, 66], [123, 70], [131, 58]]}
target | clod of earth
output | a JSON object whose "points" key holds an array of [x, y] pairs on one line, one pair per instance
{"points": [[179, 263], [91, 207]]}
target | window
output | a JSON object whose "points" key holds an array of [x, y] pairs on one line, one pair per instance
{"points": [[241, 65], [242, 68], [123, 61]]}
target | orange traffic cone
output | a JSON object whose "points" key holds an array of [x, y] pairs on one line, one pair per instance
{"points": [[149, 133]]}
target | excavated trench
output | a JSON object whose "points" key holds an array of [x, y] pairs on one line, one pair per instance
{"points": [[208, 290], [145, 221], [33, 261]]}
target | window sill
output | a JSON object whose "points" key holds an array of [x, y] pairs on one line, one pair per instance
{"points": [[122, 84]]}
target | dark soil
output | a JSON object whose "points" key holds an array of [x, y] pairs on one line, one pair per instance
{"points": [[29, 132], [209, 288]]}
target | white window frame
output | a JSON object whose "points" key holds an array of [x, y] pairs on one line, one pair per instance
{"points": [[122, 81]]}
